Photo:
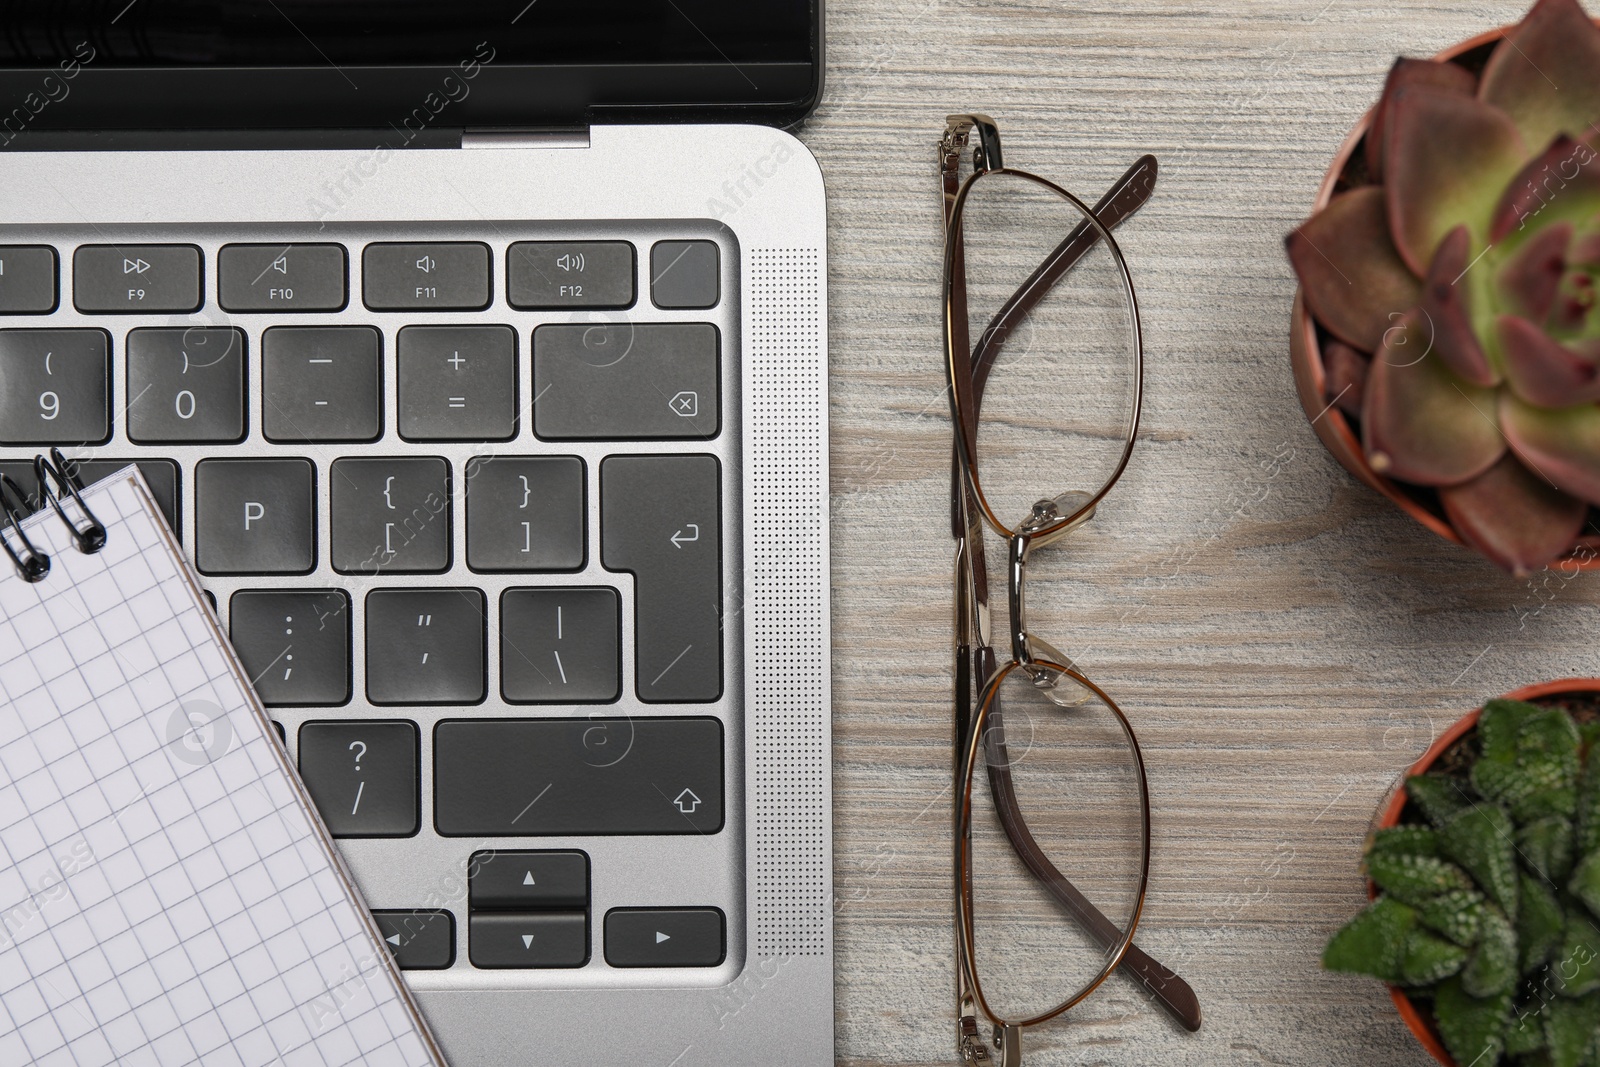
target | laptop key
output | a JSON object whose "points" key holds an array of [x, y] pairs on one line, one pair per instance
{"points": [[577, 777], [685, 274], [161, 475], [136, 278], [390, 515], [363, 776], [55, 387], [560, 646], [520, 879], [660, 518], [549, 275], [255, 516], [27, 279], [294, 644], [457, 383], [425, 646], [665, 937], [418, 940], [281, 277], [525, 513], [532, 939], [321, 383], [425, 277], [625, 381], [186, 384]]}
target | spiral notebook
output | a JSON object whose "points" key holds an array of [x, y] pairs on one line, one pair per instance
{"points": [[167, 892]]}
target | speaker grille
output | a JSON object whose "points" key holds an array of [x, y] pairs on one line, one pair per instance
{"points": [[788, 647]]}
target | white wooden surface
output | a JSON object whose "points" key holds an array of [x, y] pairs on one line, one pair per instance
{"points": [[1284, 639]]}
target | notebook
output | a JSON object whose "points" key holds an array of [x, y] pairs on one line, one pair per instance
{"points": [[167, 892]]}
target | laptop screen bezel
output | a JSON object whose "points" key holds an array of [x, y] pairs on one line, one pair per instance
{"points": [[405, 106]]}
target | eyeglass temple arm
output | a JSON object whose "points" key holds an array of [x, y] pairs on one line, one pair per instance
{"points": [[1165, 985], [957, 132], [1121, 201]]}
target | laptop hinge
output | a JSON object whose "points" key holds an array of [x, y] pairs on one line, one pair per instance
{"points": [[526, 137]]}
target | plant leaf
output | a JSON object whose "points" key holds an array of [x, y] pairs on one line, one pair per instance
{"points": [[1445, 310], [1447, 77], [1526, 283], [1415, 879], [1354, 280], [1405, 841], [1479, 839], [1542, 370], [1525, 1035], [1428, 959], [1474, 1030], [1547, 757], [1588, 821], [1439, 796], [1457, 914], [1493, 967], [1419, 422], [1560, 184], [1570, 1028], [1372, 943], [1500, 724], [1546, 846], [1577, 961], [1544, 77], [1346, 375], [1585, 882], [1540, 924], [1512, 517], [1446, 160], [1561, 446]]}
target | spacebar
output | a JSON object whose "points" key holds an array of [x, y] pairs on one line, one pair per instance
{"points": [[576, 777]]}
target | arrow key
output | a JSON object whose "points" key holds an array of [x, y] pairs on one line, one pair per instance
{"points": [[528, 939], [518, 879], [419, 940], [665, 937]]}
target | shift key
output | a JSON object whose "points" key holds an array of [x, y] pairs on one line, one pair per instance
{"points": [[660, 518]]}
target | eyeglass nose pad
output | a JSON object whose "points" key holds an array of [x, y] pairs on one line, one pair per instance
{"points": [[1062, 690], [1050, 511]]}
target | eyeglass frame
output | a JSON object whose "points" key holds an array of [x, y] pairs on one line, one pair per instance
{"points": [[967, 370]]}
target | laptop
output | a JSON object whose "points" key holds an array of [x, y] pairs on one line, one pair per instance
{"points": [[477, 354]]}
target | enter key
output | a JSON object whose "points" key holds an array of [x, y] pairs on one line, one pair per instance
{"points": [[660, 518]]}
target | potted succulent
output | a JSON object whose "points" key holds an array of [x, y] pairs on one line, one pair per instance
{"points": [[1446, 340], [1485, 874]]}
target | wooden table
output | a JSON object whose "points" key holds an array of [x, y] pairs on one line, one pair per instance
{"points": [[1294, 640]]}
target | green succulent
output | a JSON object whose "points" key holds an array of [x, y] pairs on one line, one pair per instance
{"points": [[1489, 905], [1455, 285]]}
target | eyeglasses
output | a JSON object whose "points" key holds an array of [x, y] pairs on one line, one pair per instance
{"points": [[1064, 834]]}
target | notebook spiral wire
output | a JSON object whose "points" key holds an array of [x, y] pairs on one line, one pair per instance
{"points": [[88, 532]]}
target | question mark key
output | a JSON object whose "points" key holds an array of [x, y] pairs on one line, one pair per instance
{"points": [[363, 776]]}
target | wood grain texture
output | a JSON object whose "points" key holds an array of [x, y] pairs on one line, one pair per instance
{"points": [[1285, 641]]}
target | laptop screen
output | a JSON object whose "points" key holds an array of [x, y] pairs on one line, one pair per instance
{"points": [[339, 64], [187, 33]]}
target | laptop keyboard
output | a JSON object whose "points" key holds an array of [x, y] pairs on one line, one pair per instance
{"points": [[461, 506]]}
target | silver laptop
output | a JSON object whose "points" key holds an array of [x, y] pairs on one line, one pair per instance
{"points": [[477, 353]]}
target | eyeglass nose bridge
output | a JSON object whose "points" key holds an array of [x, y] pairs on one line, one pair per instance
{"points": [[1017, 547]]}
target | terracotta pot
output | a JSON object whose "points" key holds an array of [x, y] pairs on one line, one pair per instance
{"points": [[1311, 379], [1420, 1022]]}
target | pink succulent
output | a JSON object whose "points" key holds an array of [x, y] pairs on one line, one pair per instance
{"points": [[1456, 288]]}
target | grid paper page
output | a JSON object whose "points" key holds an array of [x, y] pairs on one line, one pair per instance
{"points": [[167, 896]]}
